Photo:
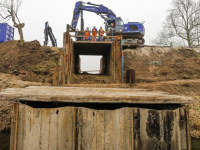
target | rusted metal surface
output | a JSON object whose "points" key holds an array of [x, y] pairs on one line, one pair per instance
{"points": [[14, 125], [130, 76], [67, 62], [81, 128]]}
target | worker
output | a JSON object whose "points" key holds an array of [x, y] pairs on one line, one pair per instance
{"points": [[101, 32], [94, 34], [87, 34], [113, 25]]}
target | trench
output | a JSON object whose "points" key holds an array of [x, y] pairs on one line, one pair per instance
{"points": [[100, 106], [89, 49]]}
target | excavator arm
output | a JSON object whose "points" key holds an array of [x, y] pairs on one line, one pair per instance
{"points": [[100, 10], [48, 32]]}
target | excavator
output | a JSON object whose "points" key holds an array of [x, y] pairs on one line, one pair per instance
{"points": [[48, 32], [132, 33]]}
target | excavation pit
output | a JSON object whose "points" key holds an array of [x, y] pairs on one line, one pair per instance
{"points": [[69, 71], [93, 49]]}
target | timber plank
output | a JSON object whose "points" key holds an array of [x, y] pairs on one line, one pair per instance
{"points": [[66, 128], [53, 129], [183, 128], [99, 128], [28, 119], [14, 126], [91, 95], [44, 132], [36, 129], [21, 124]]}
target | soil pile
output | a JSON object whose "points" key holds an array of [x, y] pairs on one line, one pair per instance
{"points": [[31, 61], [91, 79], [162, 64], [10, 81]]}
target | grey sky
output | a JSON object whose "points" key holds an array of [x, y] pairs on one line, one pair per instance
{"points": [[34, 13]]}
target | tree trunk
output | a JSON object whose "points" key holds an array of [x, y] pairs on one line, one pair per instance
{"points": [[188, 39], [20, 33]]}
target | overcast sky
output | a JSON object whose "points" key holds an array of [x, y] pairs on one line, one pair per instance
{"points": [[34, 13]]}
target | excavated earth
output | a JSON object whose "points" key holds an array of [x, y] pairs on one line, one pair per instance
{"points": [[31, 61], [172, 70]]}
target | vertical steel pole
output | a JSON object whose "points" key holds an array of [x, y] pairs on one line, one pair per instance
{"points": [[122, 62]]}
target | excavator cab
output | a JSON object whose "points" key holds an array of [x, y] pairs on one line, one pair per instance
{"points": [[119, 25], [115, 25]]}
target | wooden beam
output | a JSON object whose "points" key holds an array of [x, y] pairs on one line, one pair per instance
{"points": [[91, 95], [14, 126]]}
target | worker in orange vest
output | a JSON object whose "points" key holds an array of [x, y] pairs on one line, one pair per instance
{"points": [[87, 34], [113, 24], [94, 34], [101, 32]]}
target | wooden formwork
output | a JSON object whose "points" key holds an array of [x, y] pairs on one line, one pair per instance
{"points": [[66, 63], [73, 128], [97, 119]]}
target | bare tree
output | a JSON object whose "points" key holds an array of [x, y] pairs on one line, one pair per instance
{"points": [[9, 10], [183, 21], [166, 37]]}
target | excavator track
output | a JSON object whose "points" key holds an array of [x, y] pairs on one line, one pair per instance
{"points": [[132, 42]]}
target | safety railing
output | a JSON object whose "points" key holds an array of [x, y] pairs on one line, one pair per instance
{"points": [[82, 37]]}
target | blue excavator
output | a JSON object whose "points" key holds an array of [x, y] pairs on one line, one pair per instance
{"points": [[132, 32], [48, 32]]}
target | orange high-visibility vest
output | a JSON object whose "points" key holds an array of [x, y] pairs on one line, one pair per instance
{"points": [[101, 31], [94, 32], [87, 33]]}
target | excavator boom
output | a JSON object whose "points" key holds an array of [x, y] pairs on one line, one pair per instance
{"points": [[48, 32]]}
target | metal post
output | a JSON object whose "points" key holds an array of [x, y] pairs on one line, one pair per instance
{"points": [[132, 76], [122, 62], [112, 33]]}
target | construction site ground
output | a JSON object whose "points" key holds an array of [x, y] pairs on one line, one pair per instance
{"points": [[172, 70]]}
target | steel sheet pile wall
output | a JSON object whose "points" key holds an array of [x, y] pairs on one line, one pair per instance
{"points": [[66, 66], [61, 73], [84, 128]]}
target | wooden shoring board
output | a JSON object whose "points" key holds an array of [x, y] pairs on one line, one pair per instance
{"points": [[92, 95], [44, 129], [84, 128], [104, 129]]}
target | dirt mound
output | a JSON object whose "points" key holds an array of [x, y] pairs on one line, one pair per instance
{"points": [[188, 68], [160, 64], [91, 79], [31, 61], [9, 81]]}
